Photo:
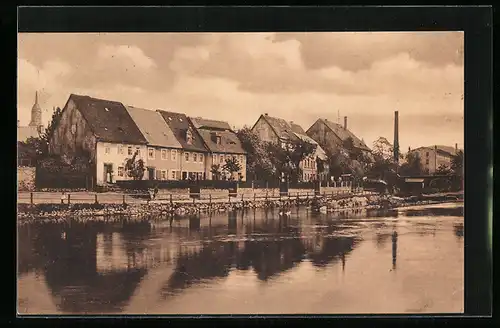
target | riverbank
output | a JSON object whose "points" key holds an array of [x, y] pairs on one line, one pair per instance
{"points": [[29, 212]]}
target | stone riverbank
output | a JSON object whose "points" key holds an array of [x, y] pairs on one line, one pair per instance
{"points": [[58, 212]]}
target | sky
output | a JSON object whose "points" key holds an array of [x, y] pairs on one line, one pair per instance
{"points": [[236, 77]]}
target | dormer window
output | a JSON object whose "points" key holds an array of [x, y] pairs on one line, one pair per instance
{"points": [[106, 109], [218, 140], [189, 137]]}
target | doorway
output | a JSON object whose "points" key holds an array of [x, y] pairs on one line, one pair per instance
{"points": [[108, 173], [151, 173]]}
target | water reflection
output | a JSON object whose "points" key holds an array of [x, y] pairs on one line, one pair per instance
{"points": [[96, 267]]}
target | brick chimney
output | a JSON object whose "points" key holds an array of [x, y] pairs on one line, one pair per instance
{"points": [[265, 114], [456, 148], [396, 136], [345, 122]]}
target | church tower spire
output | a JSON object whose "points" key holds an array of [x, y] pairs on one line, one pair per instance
{"points": [[36, 113]]}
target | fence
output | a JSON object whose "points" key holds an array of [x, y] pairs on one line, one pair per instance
{"points": [[138, 198]]}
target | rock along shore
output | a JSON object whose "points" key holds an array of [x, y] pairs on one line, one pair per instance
{"points": [[57, 212]]}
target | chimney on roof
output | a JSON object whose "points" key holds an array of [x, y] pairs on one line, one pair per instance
{"points": [[265, 114], [456, 148], [345, 122], [396, 136]]}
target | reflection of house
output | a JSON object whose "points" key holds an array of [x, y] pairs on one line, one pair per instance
{"points": [[163, 153], [101, 130], [193, 157], [332, 136], [432, 157], [35, 127], [277, 130], [223, 144]]}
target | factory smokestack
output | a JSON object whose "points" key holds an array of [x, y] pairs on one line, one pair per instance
{"points": [[396, 136], [345, 122]]}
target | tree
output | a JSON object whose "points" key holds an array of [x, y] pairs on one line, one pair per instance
{"points": [[259, 164], [232, 165], [457, 163], [443, 170], [286, 158], [216, 171], [135, 167], [56, 117], [412, 166]]}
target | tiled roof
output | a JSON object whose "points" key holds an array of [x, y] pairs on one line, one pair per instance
{"points": [[442, 150], [200, 122], [297, 128], [179, 123], [229, 141], [319, 151], [280, 126], [345, 134], [109, 120], [26, 132], [153, 127]]}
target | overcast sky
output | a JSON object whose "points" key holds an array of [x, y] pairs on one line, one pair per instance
{"points": [[238, 76]]}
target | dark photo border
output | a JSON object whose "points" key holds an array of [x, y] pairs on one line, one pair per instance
{"points": [[475, 21]]}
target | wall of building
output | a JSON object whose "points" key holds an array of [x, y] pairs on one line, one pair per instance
{"points": [[110, 153], [166, 168], [264, 131], [26, 178], [215, 158], [194, 165], [430, 160], [324, 137], [309, 168], [67, 141]]}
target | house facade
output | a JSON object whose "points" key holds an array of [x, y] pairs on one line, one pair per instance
{"points": [[432, 157], [100, 130], [277, 130], [223, 144], [193, 155], [332, 136], [162, 157]]}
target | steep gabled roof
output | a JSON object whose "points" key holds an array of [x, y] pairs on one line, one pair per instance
{"points": [[179, 123], [319, 152], [204, 123], [229, 142], [297, 129], [153, 127], [109, 120], [281, 127], [344, 134]]}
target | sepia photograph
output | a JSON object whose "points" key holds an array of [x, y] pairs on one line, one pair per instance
{"points": [[240, 173]]}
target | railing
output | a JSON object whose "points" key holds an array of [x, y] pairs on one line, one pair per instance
{"points": [[120, 198]]}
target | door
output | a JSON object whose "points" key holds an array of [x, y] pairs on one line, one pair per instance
{"points": [[184, 175], [108, 170], [151, 173]]}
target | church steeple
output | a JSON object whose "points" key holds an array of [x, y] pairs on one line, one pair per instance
{"points": [[36, 113]]}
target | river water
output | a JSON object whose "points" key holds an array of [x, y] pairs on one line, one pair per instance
{"points": [[254, 262]]}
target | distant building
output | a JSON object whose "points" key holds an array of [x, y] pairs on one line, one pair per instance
{"points": [[223, 143], [101, 130], [432, 157], [35, 127], [193, 157], [163, 158], [332, 136], [277, 130]]}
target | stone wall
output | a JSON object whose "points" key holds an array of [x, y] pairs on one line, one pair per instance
{"points": [[26, 178]]}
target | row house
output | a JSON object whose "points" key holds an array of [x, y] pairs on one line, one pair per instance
{"points": [[101, 130], [331, 136], [222, 144], [164, 151], [277, 130], [193, 156]]}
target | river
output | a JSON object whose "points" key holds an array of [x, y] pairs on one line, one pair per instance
{"points": [[249, 262]]}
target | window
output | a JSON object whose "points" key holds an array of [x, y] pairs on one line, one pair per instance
{"points": [[163, 174], [427, 162], [186, 157], [242, 159], [120, 150], [201, 158], [129, 151], [221, 159], [427, 154], [120, 171], [195, 157], [214, 158], [107, 150], [173, 175], [164, 154], [138, 150], [151, 153], [218, 140], [174, 154]]}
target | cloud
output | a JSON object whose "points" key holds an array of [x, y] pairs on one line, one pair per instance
{"points": [[128, 54]]}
